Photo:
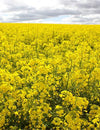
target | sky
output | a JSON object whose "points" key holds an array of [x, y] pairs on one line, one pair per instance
{"points": [[50, 11]]}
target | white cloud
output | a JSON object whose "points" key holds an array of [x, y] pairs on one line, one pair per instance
{"points": [[38, 4], [76, 11]]}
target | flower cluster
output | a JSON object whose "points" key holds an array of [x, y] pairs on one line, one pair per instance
{"points": [[49, 77]]}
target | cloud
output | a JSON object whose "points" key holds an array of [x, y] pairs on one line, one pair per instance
{"points": [[23, 12], [85, 6], [76, 11], [82, 19], [89, 11], [89, 4]]}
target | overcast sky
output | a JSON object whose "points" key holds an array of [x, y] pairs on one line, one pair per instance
{"points": [[50, 11]]}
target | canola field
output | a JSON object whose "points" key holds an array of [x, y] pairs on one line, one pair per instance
{"points": [[49, 77]]}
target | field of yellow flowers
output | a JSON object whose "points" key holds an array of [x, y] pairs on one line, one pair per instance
{"points": [[49, 77]]}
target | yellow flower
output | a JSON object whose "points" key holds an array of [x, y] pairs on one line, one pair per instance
{"points": [[57, 121], [16, 113]]}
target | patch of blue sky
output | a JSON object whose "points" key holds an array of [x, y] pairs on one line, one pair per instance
{"points": [[57, 19]]}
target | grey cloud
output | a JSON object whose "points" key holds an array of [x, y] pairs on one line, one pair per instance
{"points": [[84, 19], [82, 5], [87, 7], [76, 8], [12, 7], [1, 19], [35, 16], [29, 13], [90, 4], [97, 11]]}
